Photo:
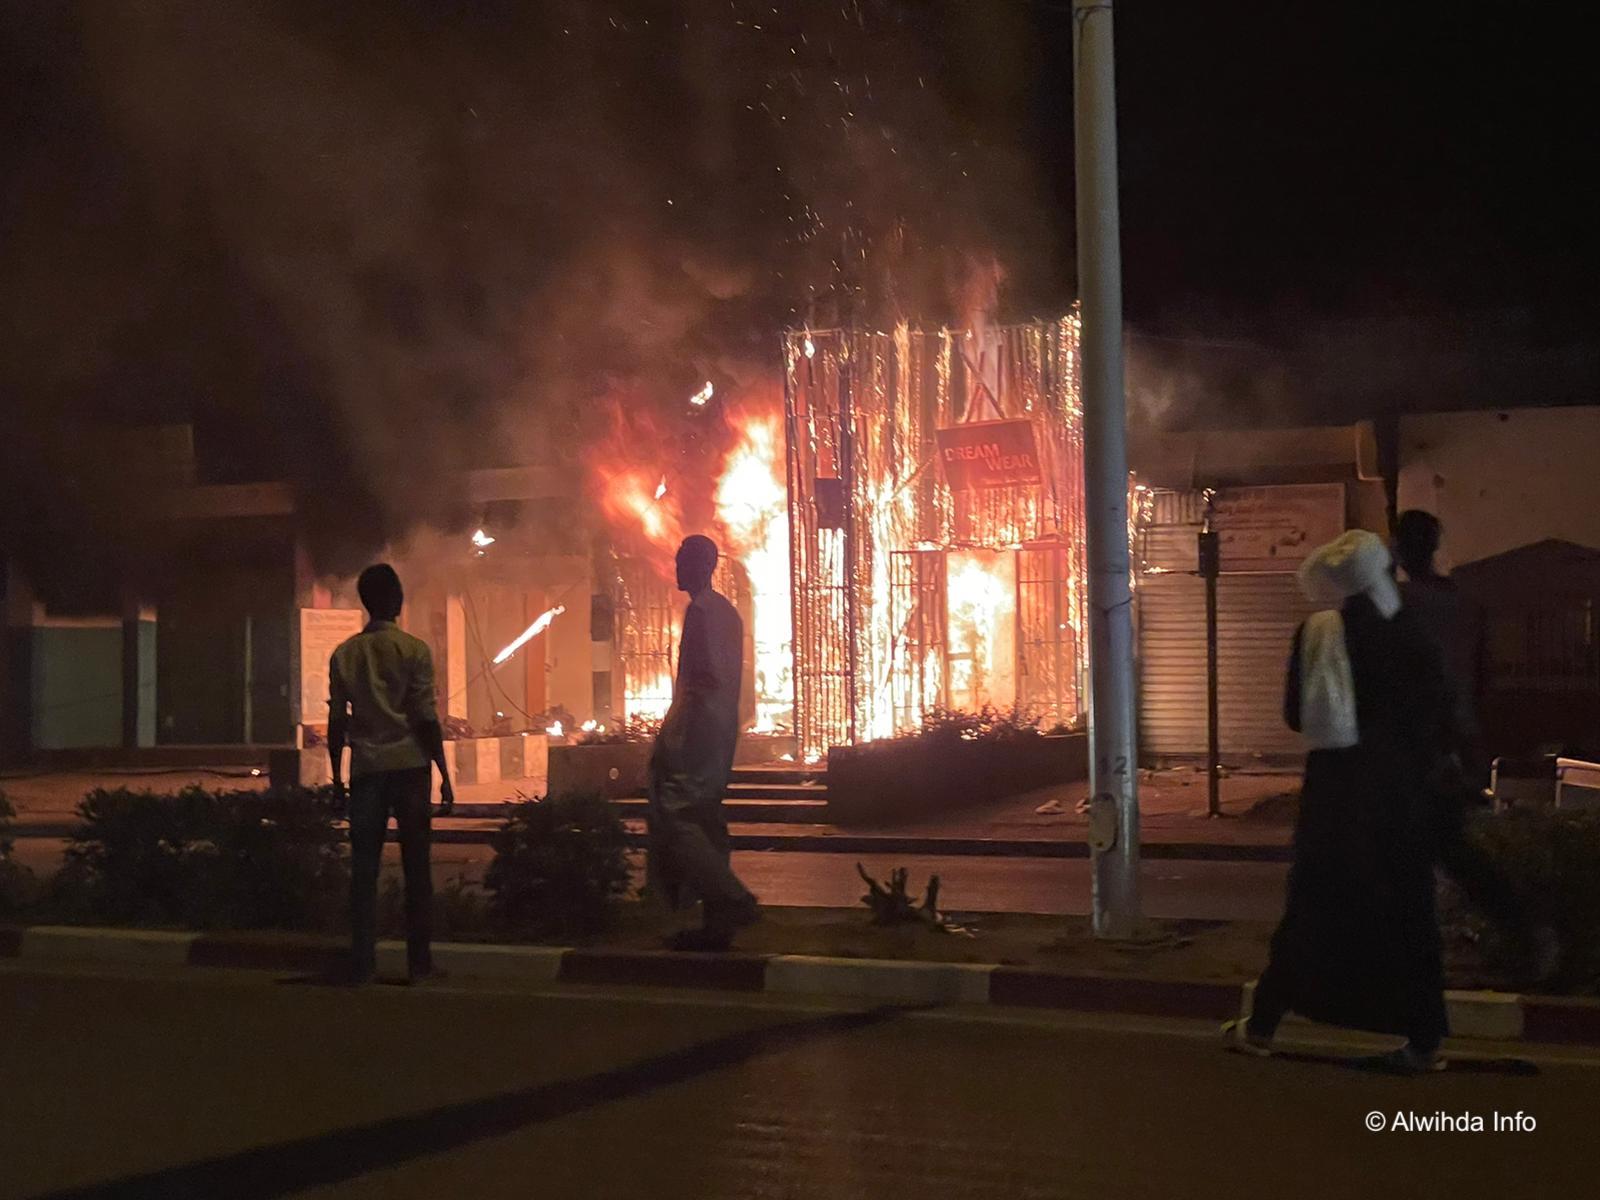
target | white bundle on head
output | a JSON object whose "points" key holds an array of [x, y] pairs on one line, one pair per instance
{"points": [[1355, 563]]}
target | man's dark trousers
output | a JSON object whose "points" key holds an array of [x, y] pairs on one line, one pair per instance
{"points": [[373, 797]]}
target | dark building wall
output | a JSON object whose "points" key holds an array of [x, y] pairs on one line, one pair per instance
{"points": [[223, 669], [77, 686]]}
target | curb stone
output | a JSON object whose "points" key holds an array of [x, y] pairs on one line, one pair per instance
{"points": [[64, 943], [488, 960], [1490, 1016], [879, 979], [1483, 1016], [311, 955], [1474, 1015], [1033, 988], [666, 968], [1564, 1019]]}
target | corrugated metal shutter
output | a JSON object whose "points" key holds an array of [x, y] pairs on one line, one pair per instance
{"points": [[1256, 619]]}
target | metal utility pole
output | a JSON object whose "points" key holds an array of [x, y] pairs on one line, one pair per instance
{"points": [[1113, 776]]}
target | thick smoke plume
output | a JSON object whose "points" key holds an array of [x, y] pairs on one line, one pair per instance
{"points": [[362, 246]]}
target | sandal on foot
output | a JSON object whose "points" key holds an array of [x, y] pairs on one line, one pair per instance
{"points": [[1237, 1039]]}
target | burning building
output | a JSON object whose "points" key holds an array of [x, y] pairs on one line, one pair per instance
{"points": [[901, 517], [936, 526], [750, 520], [904, 536]]}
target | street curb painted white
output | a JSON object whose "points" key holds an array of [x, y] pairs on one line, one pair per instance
{"points": [[1491, 1016], [391, 958], [1480, 1016], [66, 943], [879, 979]]}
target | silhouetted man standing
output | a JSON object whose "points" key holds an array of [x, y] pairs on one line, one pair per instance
{"points": [[1454, 626], [380, 701], [1451, 622], [693, 758]]}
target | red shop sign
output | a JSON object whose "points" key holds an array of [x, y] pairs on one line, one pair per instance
{"points": [[988, 454]]}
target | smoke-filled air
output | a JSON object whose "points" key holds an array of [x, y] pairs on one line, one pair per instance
{"points": [[363, 246]]}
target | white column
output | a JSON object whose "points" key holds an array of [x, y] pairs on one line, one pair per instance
{"points": [[455, 657]]}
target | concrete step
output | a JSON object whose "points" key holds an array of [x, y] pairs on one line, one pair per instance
{"points": [[777, 812], [791, 803], [765, 794], [774, 773], [477, 812], [739, 789]]}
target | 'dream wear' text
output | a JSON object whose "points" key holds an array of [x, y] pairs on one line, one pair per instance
{"points": [[990, 454]]}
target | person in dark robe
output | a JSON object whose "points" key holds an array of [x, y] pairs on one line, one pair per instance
{"points": [[1359, 943], [693, 759], [1449, 619], [1454, 626]]}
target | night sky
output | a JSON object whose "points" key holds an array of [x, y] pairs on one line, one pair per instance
{"points": [[362, 245]]}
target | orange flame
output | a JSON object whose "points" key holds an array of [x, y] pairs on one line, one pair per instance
{"points": [[751, 506], [983, 628], [635, 505], [752, 503]]}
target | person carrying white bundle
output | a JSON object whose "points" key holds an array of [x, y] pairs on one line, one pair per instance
{"points": [[1359, 942], [1356, 564]]}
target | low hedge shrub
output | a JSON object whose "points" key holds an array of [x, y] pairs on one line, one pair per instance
{"points": [[18, 887], [1551, 860], [560, 865], [205, 859]]}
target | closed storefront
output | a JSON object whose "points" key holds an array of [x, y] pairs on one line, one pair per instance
{"points": [[1256, 620], [1264, 533]]}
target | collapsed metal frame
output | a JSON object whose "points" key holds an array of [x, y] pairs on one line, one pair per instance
{"points": [[867, 494]]}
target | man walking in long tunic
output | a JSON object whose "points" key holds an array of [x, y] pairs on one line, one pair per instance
{"points": [[693, 758], [1359, 942]]}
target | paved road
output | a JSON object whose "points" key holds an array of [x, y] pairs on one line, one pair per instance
{"points": [[231, 1086]]}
